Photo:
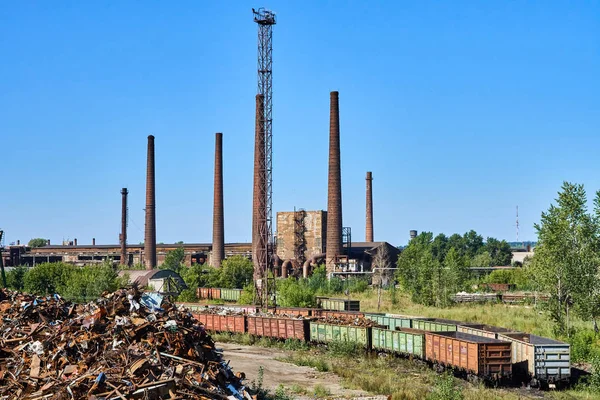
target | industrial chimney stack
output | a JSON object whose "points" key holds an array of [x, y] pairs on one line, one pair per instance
{"points": [[259, 207], [123, 236], [218, 244], [369, 224], [334, 193], [150, 230]]}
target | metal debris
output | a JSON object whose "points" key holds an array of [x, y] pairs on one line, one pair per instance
{"points": [[114, 348]]}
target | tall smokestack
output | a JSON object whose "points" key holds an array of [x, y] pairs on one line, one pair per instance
{"points": [[93, 241], [75, 242], [369, 224], [218, 245], [123, 236], [150, 230], [334, 192], [259, 207]]}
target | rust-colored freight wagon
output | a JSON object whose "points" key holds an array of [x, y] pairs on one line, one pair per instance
{"points": [[215, 293], [222, 323], [481, 356], [279, 328], [203, 293]]}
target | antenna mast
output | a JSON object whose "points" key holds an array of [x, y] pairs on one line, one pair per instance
{"points": [[265, 20]]}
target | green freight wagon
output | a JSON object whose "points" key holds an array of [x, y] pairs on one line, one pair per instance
{"points": [[392, 323], [435, 325], [411, 342], [231, 294], [339, 304], [325, 333]]}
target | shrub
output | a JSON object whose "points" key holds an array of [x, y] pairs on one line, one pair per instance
{"points": [[446, 389], [584, 345], [187, 295], [344, 348], [47, 278], [15, 278]]}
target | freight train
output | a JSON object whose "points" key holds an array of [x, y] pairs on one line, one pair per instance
{"points": [[476, 351]]}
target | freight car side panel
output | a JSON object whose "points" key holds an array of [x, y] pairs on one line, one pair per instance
{"points": [[538, 357], [280, 328], [320, 332], [399, 341], [433, 326], [392, 323], [481, 356]]}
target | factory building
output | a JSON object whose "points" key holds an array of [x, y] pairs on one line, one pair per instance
{"points": [[90, 254]]}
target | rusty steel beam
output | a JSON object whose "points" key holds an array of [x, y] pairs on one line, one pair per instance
{"points": [[369, 223], [123, 237], [150, 229], [218, 243], [334, 188]]}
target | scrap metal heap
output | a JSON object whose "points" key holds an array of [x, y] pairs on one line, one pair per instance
{"points": [[126, 345]]}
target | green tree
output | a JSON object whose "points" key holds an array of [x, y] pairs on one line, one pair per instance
{"points": [[48, 278], [458, 242], [439, 247], [88, 283], [565, 262], [499, 251], [236, 271], [457, 272], [37, 242], [15, 278], [174, 260], [483, 260], [473, 243]]}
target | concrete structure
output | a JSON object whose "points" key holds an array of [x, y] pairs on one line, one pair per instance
{"points": [[150, 229], [334, 188], [315, 234], [218, 247], [369, 208], [520, 255]]}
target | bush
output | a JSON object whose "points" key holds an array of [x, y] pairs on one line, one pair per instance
{"points": [[594, 379], [236, 271], [247, 296], [47, 278], [187, 296], [344, 348], [80, 284], [584, 345], [88, 283], [292, 292], [446, 389], [15, 278]]}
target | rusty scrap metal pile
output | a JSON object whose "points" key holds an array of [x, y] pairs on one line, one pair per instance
{"points": [[126, 345]]}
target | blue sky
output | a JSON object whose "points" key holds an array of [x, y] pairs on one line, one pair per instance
{"points": [[461, 109]]}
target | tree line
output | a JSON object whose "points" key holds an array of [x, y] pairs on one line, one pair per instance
{"points": [[433, 269]]}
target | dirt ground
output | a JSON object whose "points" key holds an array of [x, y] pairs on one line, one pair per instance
{"points": [[249, 359]]}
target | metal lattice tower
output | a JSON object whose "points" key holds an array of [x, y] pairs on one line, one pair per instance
{"points": [[265, 20]]}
